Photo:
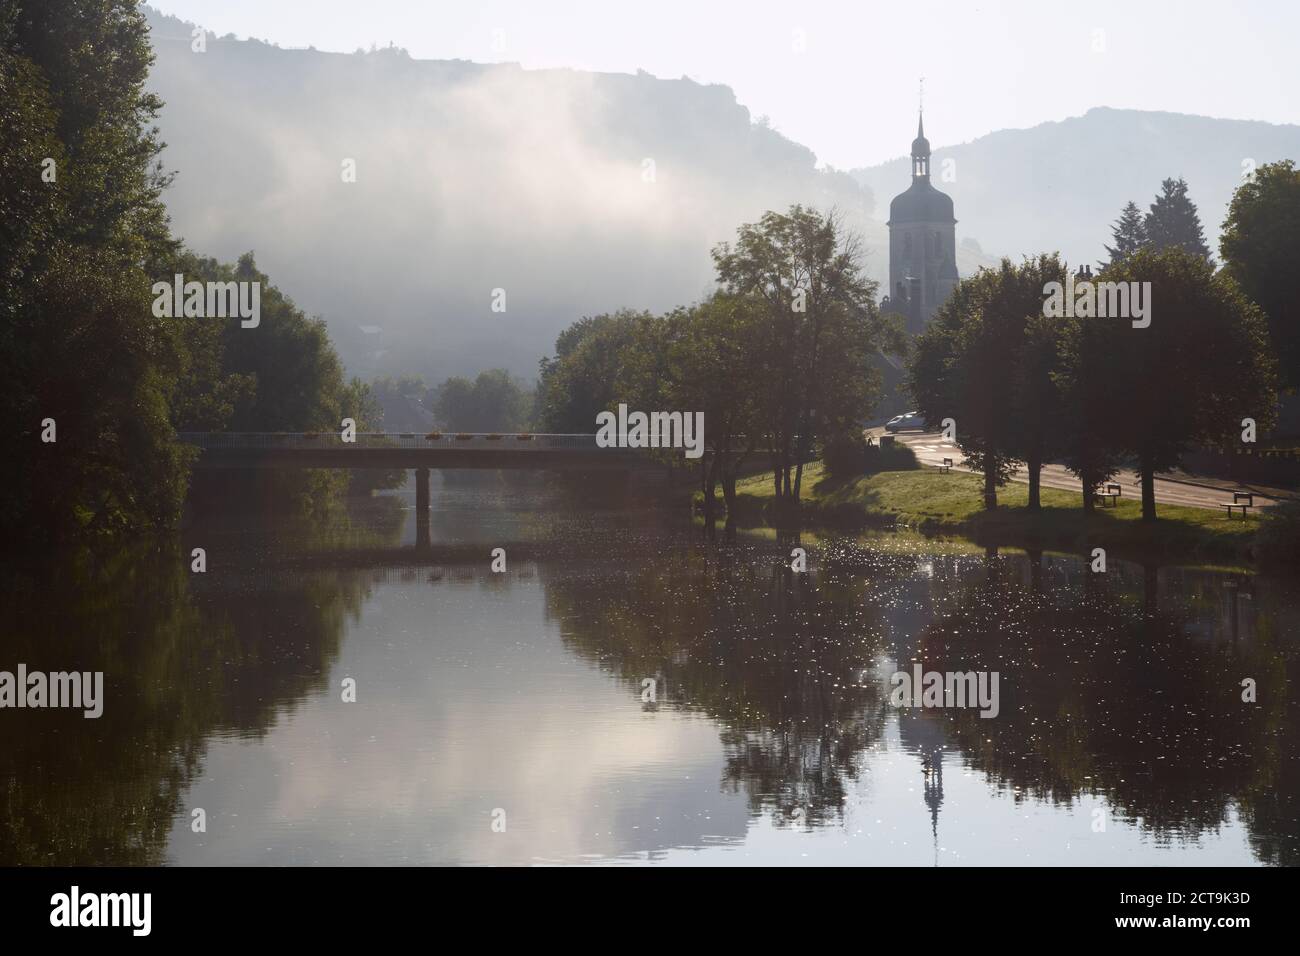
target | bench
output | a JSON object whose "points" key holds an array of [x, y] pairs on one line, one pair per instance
{"points": [[1240, 500], [1112, 492], [946, 467]]}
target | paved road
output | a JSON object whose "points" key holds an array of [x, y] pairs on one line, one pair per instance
{"points": [[1190, 490]]}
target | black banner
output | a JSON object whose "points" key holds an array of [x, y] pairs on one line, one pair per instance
{"points": [[130, 906]]}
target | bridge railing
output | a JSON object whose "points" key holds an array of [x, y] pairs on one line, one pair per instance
{"points": [[308, 441]]}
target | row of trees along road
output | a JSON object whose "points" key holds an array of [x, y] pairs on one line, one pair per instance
{"points": [[779, 359], [1093, 392]]}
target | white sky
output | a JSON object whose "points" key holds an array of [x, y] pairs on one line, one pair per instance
{"points": [[850, 96]]}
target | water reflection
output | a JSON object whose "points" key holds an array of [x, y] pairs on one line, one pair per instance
{"points": [[185, 658], [770, 736], [772, 656]]}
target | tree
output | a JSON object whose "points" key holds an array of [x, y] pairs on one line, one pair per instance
{"points": [[283, 375], [1129, 234], [493, 402], [1191, 376], [580, 381], [1173, 223], [987, 360], [1086, 383], [299, 376], [1035, 398], [819, 332], [208, 390], [713, 368], [452, 401], [80, 345], [1259, 243]]}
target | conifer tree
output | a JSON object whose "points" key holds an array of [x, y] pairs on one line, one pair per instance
{"points": [[1173, 223], [1129, 233]]}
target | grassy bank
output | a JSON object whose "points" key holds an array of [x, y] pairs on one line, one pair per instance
{"points": [[952, 504]]}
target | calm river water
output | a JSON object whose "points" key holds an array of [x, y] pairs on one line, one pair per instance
{"points": [[503, 718]]}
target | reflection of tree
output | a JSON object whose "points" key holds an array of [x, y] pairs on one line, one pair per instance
{"points": [[1103, 695], [279, 639], [762, 650], [1125, 687], [1271, 804], [77, 791], [183, 657]]}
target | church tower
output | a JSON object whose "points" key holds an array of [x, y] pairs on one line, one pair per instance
{"points": [[922, 243]]}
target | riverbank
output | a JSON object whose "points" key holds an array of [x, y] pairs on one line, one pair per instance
{"points": [[935, 503]]}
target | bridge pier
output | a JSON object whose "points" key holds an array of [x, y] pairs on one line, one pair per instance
{"points": [[422, 508]]}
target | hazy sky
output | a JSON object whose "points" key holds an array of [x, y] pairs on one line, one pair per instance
{"points": [[851, 94]]}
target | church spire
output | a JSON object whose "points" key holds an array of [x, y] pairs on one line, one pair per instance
{"points": [[920, 151], [920, 109]]}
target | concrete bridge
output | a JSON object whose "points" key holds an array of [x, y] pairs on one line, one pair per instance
{"points": [[407, 450]]}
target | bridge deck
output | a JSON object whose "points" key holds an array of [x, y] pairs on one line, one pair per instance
{"points": [[408, 450]]}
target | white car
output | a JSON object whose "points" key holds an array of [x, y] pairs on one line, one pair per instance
{"points": [[907, 420]]}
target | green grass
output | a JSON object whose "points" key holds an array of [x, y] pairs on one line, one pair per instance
{"points": [[936, 503]]}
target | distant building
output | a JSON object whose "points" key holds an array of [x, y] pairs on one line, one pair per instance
{"points": [[922, 243]]}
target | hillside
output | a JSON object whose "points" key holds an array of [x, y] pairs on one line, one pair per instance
{"points": [[469, 178]]}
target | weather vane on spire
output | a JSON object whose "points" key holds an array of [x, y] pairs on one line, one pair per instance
{"points": [[921, 97]]}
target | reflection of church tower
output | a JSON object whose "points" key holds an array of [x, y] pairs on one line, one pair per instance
{"points": [[922, 732], [932, 768], [922, 243]]}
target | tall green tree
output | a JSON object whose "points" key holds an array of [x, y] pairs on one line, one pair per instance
{"points": [[713, 367], [1191, 376], [1258, 245], [1172, 222], [83, 234], [290, 356], [820, 331], [1036, 400], [1128, 233], [1088, 381], [987, 360], [208, 389]]}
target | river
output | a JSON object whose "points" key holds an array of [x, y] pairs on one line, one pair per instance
{"points": [[625, 692]]}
